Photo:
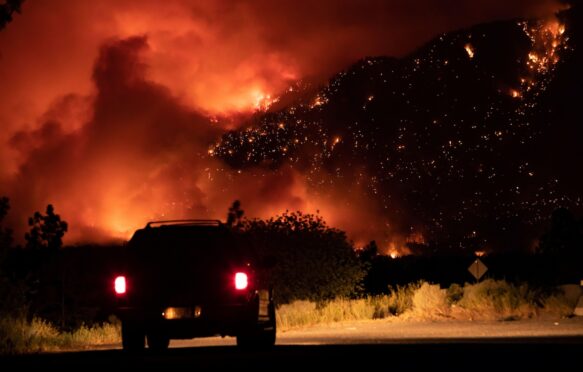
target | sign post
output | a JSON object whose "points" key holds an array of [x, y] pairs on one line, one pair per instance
{"points": [[477, 269]]}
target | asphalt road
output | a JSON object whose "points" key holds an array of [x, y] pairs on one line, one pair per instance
{"points": [[382, 345]]}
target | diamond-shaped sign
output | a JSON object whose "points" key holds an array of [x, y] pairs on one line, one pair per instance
{"points": [[477, 269]]}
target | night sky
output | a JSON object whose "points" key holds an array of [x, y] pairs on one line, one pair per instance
{"points": [[449, 122]]}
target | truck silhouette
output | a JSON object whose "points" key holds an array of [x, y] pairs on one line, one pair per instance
{"points": [[191, 278]]}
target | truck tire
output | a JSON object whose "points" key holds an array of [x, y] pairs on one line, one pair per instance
{"points": [[133, 337], [157, 341], [259, 336]]}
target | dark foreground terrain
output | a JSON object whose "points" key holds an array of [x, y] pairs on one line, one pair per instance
{"points": [[451, 345], [499, 355]]}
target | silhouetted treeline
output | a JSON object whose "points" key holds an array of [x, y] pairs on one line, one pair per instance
{"points": [[306, 260], [536, 269], [557, 259], [309, 260]]}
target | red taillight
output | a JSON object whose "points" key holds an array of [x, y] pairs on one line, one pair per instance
{"points": [[120, 285], [241, 281]]}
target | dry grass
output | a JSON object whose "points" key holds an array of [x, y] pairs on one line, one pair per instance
{"points": [[18, 335], [306, 313], [487, 300], [496, 299], [430, 301], [558, 305]]}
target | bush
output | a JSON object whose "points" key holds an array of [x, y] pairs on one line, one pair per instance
{"points": [[313, 261], [401, 298], [499, 299], [557, 305], [455, 293], [17, 335], [306, 313], [486, 300], [430, 300], [381, 305]]}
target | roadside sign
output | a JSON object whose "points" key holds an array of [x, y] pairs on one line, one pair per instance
{"points": [[477, 269]]}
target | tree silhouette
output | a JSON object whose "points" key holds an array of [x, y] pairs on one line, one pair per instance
{"points": [[312, 260], [7, 9], [368, 252], [5, 233], [46, 231], [235, 215]]}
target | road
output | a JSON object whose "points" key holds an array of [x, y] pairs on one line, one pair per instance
{"points": [[449, 345]]}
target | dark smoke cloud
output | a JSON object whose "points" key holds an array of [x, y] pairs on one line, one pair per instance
{"points": [[137, 137], [104, 106], [140, 156]]}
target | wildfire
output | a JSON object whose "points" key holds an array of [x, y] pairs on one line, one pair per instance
{"points": [[470, 50], [335, 141], [400, 245], [318, 101], [263, 101], [547, 39]]}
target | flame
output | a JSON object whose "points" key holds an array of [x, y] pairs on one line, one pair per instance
{"points": [[263, 101], [547, 39], [319, 100], [335, 141], [207, 60], [399, 245], [393, 254], [470, 50]]}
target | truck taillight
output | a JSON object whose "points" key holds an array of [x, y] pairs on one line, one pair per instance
{"points": [[119, 285], [241, 281]]}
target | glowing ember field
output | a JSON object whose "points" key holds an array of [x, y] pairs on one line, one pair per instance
{"points": [[151, 110]]}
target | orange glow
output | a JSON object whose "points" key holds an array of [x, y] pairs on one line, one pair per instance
{"points": [[397, 249], [262, 102], [514, 93], [470, 50], [139, 89], [398, 246], [335, 141], [318, 101], [547, 39]]}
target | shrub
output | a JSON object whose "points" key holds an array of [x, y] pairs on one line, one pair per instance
{"points": [[455, 293], [313, 261], [306, 313], [499, 299], [430, 300], [557, 304], [17, 335], [401, 298]]}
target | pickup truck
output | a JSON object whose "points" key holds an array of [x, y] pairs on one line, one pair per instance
{"points": [[191, 278]]}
